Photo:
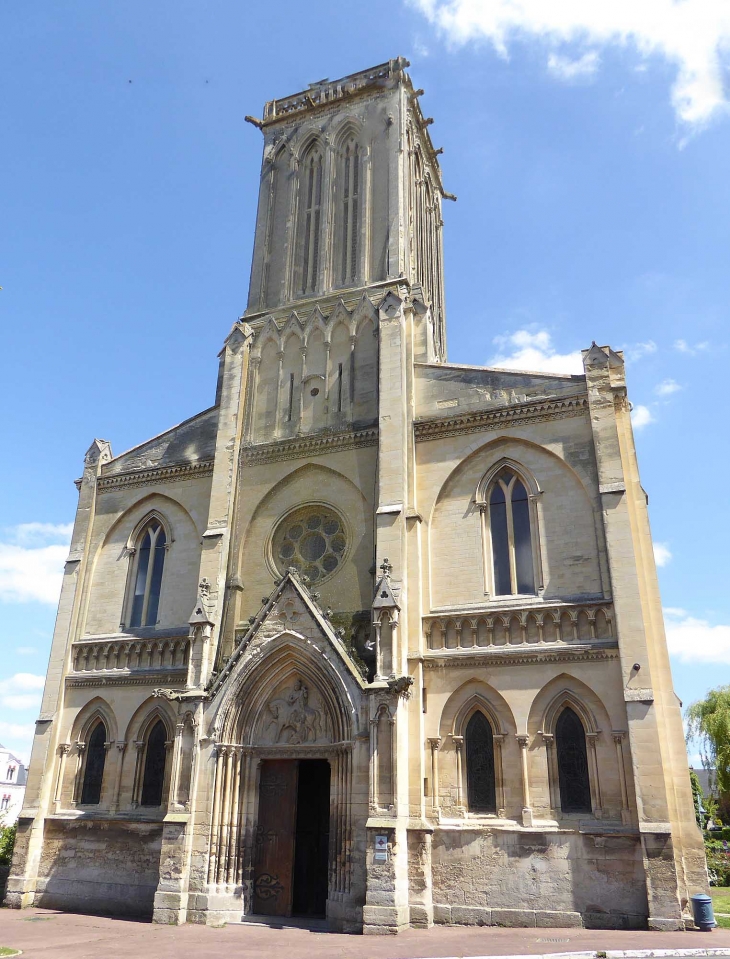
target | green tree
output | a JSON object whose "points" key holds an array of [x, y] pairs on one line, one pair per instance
{"points": [[708, 723], [697, 797], [7, 842]]}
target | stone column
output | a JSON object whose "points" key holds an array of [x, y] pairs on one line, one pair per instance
{"points": [[78, 779], [435, 743], [114, 805], [499, 774], [378, 652], [459, 745], [595, 781], [63, 751], [524, 742], [220, 766], [374, 764], [138, 768], [552, 767], [618, 738]]}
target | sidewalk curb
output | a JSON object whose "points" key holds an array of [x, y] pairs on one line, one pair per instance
{"points": [[614, 954]]}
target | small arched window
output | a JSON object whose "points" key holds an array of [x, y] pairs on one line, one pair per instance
{"points": [[153, 779], [311, 195], [149, 563], [573, 777], [480, 781], [509, 523], [350, 204], [94, 768]]}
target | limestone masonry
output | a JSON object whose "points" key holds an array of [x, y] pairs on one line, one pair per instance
{"points": [[376, 636]]}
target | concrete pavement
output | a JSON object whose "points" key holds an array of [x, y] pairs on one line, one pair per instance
{"points": [[45, 934]]}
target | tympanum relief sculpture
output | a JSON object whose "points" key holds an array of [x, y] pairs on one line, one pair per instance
{"points": [[290, 719]]}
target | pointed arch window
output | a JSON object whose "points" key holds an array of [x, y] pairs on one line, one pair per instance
{"points": [[153, 778], [350, 202], [572, 756], [149, 563], [312, 176], [511, 535], [94, 768], [480, 777]]}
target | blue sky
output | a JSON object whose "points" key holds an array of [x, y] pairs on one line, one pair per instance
{"points": [[588, 145]]}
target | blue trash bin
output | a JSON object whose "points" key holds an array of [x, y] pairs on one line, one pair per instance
{"points": [[702, 912]]}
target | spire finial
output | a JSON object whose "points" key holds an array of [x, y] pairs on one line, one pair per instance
{"points": [[386, 567]]}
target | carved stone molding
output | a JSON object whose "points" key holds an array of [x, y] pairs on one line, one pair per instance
{"points": [[521, 657], [126, 679], [473, 421], [162, 474], [316, 444]]}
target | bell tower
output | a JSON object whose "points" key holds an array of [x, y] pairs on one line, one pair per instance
{"points": [[350, 197]]}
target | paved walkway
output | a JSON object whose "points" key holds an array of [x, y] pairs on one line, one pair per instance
{"points": [[44, 934]]}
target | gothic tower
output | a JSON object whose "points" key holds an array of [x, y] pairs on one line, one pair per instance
{"points": [[376, 637]]}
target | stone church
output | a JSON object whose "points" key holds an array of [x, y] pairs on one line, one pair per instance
{"points": [[376, 637]]}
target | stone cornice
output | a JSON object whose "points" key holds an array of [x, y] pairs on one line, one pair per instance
{"points": [[473, 421], [129, 678], [153, 475], [564, 653], [316, 444]]}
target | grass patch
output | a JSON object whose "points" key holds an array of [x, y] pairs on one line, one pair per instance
{"points": [[7, 951], [720, 898], [723, 922]]}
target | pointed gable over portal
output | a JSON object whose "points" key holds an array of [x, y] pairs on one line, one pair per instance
{"points": [[290, 680]]}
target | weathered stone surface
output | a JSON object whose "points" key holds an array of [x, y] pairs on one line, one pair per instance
{"points": [[343, 445]]}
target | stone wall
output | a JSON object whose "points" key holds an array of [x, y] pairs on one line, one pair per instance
{"points": [[106, 867], [516, 878]]}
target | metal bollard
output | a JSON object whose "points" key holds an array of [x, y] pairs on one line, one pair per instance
{"points": [[702, 912]]}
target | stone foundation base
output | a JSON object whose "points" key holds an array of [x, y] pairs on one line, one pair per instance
{"points": [[511, 918], [384, 920]]}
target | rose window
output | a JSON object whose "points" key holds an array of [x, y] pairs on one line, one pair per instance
{"points": [[312, 540]]}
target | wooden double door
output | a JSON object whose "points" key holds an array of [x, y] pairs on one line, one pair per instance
{"points": [[292, 838]]}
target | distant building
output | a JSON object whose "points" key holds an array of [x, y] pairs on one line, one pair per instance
{"points": [[707, 780], [13, 775]]}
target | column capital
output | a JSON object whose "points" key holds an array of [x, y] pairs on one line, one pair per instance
{"points": [[524, 741], [434, 742], [64, 749], [458, 741], [618, 736]]}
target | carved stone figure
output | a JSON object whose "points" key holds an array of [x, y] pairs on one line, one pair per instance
{"points": [[292, 719]]}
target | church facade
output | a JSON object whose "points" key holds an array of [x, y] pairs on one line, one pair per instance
{"points": [[376, 637]]}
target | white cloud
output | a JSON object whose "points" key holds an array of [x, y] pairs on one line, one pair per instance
{"points": [[31, 562], [565, 68], [667, 387], [639, 350], [682, 346], [21, 691], [662, 554], [26, 650], [525, 350], [692, 35], [641, 416], [17, 737], [695, 640]]}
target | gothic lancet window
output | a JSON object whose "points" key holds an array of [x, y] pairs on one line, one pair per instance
{"points": [[311, 198], [350, 199], [480, 781], [573, 779], [149, 561], [154, 766], [94, 768], [509, 523]]}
